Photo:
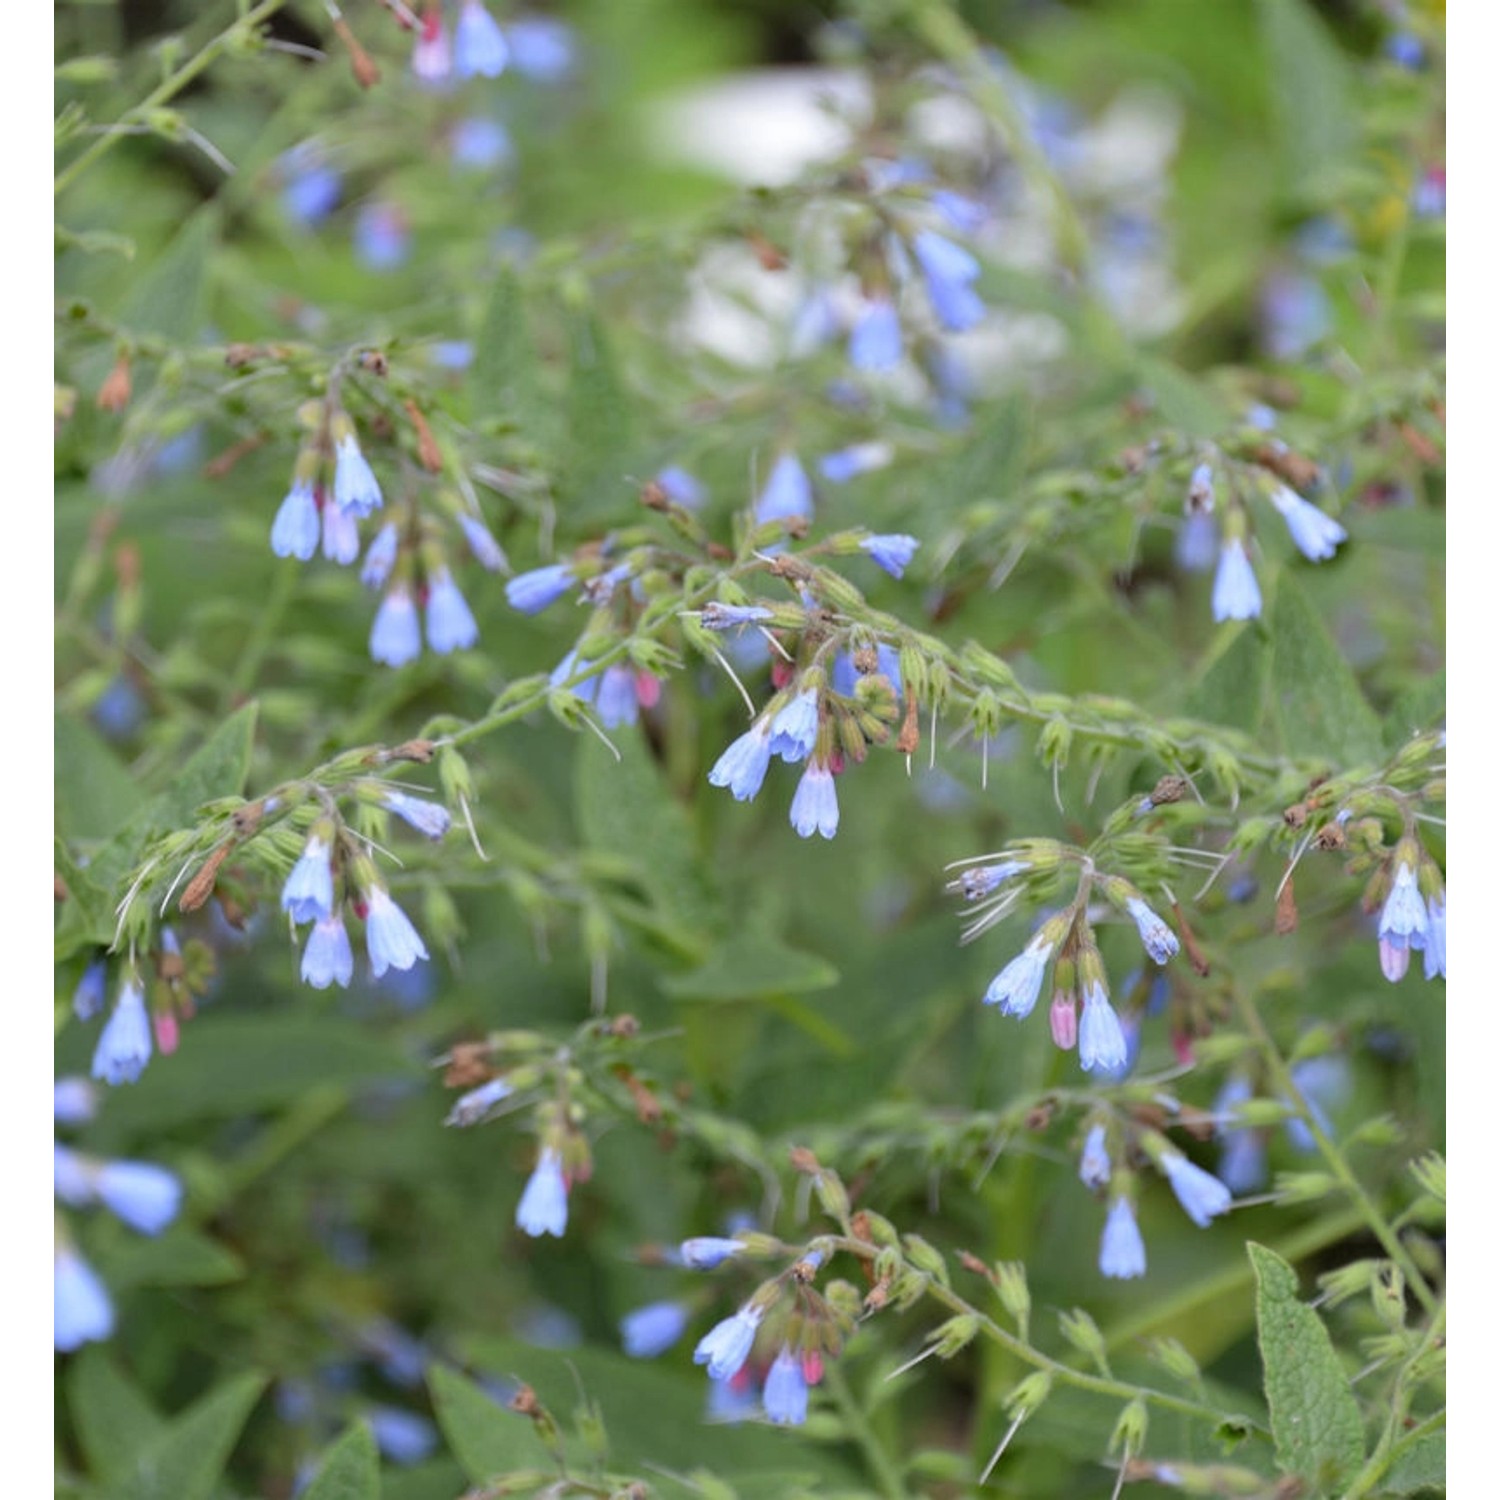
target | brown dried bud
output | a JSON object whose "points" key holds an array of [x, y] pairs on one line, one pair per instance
{"points": [[420, 751], [803, 1160], [201, 886], [525, 1402], [218, 466], [234, 913], [59, 888], [647, 1105], [1198, 1123], [878, 1295], [623, 1026], [971, 1262], [1301, 473], [1153, 1116], [654, 497], [375, 362], [1196, 956], [1169, 789], [114, 394], [246, 819], [770, 258], [428, 452], [866, 660], [1133, 460], [170, 966], [366, 74], [1331, 836], [1286, 909], [911, 729], [468, 1066], [1295, 815], [1039, 1116], [1419, 443], [237, 356]]}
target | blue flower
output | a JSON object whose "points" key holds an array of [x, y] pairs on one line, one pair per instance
{"points": [[355, 488], [785, 1393], [1323, 1083], [479, 144], [1122, 1251], [716, 616], [979, 880], [470, 1108], [450, 621], [1242, 1157], [340, 535], [402, 1436], [140, 1194], [81, 1310], [706, 1252], [680, 487], [795, 728], [1435, 953], [88, 998], [543, 1208], [787, 495], [125, 1043], [487, 551], [73, 1176], [950, 272], [431, 819], [308, 892], [963, 214], [653, 1329], [532, 592], [541, 47], [816, 321], [850, 463], [1156, 937], [431, 54], [891, 551], [875, 343], [381, 556], [616, 700], [1316, 535], [1405, 50], [478, 43], [1015, 988], [1093, 1164], [726, 1346], [395, 634], [1236, 593], [1200, 1193], [742, 767], [1101, 1039], [328, 959], [311, 188], [294, 532], [1403, 918], [392, 941], [815, 804], [74, 1101], [1197, 542]]}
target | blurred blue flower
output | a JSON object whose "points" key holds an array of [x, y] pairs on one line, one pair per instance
{"points": [[450, 622], [653, 1329], [1122, 1251], [81, 1310], [479, 47], [785, 1394]]}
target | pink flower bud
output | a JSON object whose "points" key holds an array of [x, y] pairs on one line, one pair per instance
{"points": [[1064, 1019], [164, 1024]]}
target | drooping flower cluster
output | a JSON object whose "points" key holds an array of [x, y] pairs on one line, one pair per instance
{"points": [[1414, 913], [334, 874]]}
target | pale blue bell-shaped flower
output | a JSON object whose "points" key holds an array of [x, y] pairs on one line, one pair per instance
{"points": [[380, 558], [81, 1309], [706, 1252], [1200, 1193], [726, 1346], [340, 535], [1101, 1038], [294, 532], [815, 804], [479, 47], [543, 1208], [124, 1046], [450, 622], [355, 488], [328, 957], [532, 592], [742, 767], [891, 552], [1236, 594], [785, 1393], [431, 819], [1122, 1251], [392, 941], [396, 634], [1016, 987], [140, 1194], [787, 495], [653, 1329]]}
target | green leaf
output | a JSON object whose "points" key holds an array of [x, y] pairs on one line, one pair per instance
{"points": [[1424, 1465], [1310, 94], [350, 1469], [625, 809], [92, 792], [187, 1458], [237, 1064], [747, 965], [1318, 702], [598, 418], [112, 1415], [487, 1440], [990, 463], [180, 1257], [1419, 708], [503, 377], [167, 299], [1232, 689], [1185, 402], [1314, 1416]]}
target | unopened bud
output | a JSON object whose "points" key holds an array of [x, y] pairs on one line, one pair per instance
{"points": [[1028, 1395], [1130, 1431], [1082, 1332]]}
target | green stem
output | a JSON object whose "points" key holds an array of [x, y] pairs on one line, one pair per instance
{"points": [[856, 1423], [1387, 1450], [1286, 1086], [167, 90]]}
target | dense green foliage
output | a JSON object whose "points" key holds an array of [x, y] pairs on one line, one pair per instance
{"points": [[1210, 247]]}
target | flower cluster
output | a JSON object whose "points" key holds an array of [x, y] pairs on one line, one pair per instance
{"points": [[1236, 593], [1122, 1250], [538, 47], [1080, 1013], [334, 874], [1413, 914]]}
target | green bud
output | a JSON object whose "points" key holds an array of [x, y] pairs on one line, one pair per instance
{"points": [[1054, 743], [1015, 1295], [1349, 1281], [925, 1258], [1382, 1130], [1225, 770], [518, 691], [440, 918], [879, 1230], [86, 70], [1026, 1397], [1130, 1431], [1304, 1187], [832, 1196], [1221, 1047], [1388, 1296], [835, 590], [887, 1264], [984, 666], [1258, 1112], [985, 715], [1082, 1332], [914, 681], [957, 1333], [844, 1298], [908, 1289], [588, 1421], [454, 776], [1316, 1041], [1431, 1173], [654, 657], [939, 683], [1174, 1359], [698, 636]]}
